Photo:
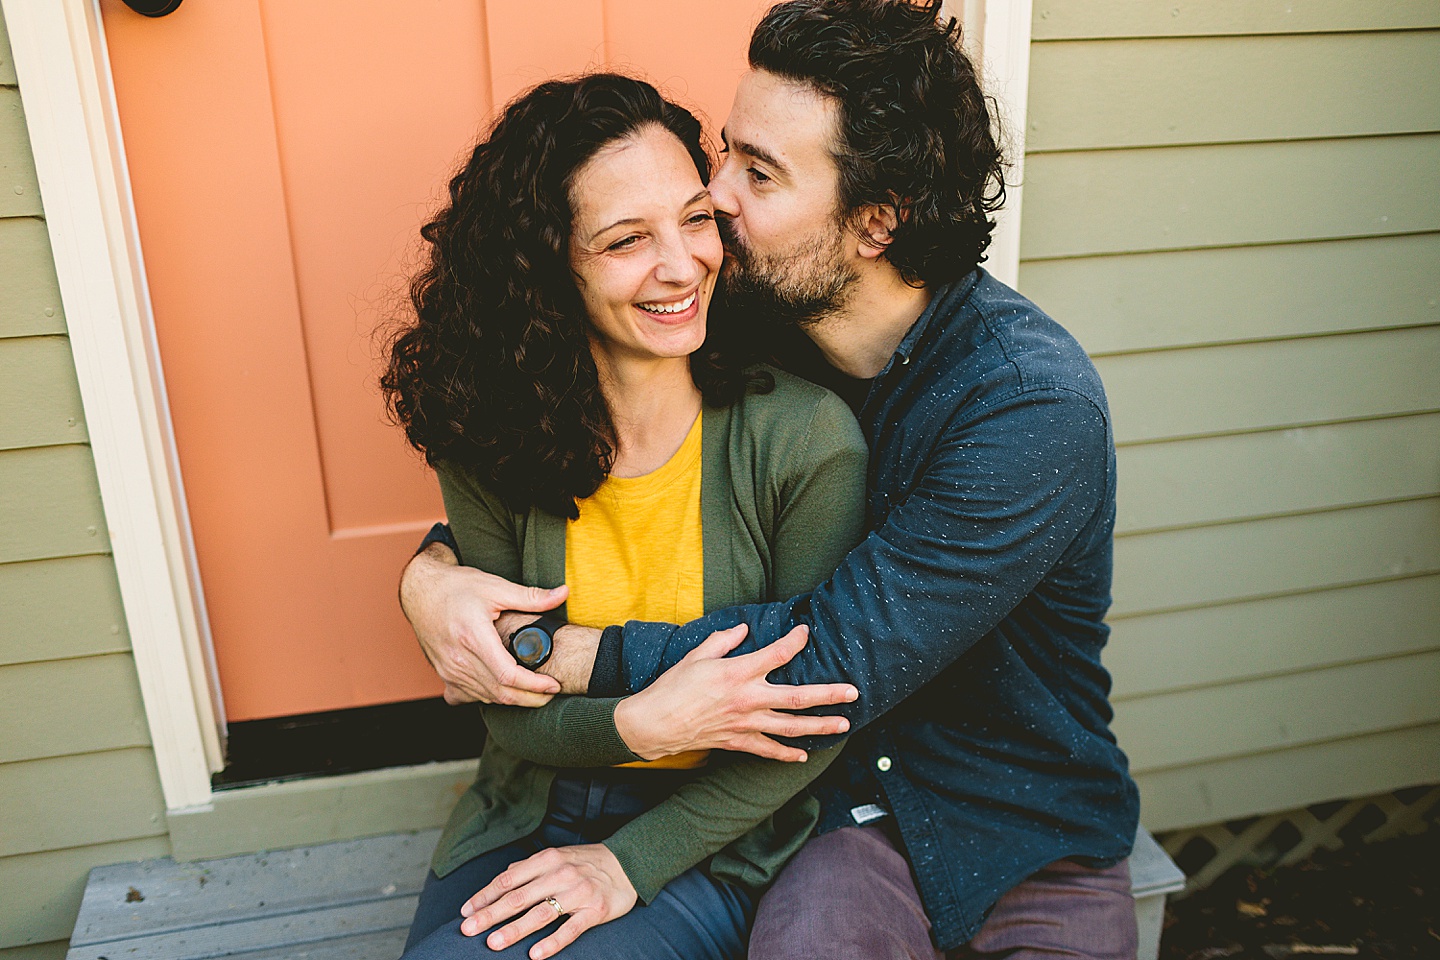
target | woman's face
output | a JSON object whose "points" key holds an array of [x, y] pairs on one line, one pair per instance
{"points": [[644, 248]]}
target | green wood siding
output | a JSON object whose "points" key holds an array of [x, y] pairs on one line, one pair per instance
{"points": [[43, 890], [1150, 301], [30, 303], [37, 383], [38, 626], [78, 784], [1097, 19], [1256, 269]]}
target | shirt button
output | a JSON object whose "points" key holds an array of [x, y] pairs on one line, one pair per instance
{"points": [[883, 764]]}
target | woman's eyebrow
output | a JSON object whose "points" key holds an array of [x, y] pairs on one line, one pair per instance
{"points": [[704, 192]]}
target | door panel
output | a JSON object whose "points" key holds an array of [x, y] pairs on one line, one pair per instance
{"points": [[283, 154]]}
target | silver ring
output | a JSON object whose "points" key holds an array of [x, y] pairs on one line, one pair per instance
{"points": [[556, 904]]}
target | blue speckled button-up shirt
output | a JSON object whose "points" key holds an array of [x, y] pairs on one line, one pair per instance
{"points": [[971, 617]]}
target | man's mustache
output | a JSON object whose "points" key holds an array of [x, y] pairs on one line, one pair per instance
{"points": [[730, 239]]}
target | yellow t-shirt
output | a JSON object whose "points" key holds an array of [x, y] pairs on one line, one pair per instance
{"points": [[636, 553]]}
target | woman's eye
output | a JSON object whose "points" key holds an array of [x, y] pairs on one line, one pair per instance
{"points": [[703, 217], [624, 243]]}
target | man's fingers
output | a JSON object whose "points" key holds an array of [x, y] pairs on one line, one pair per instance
{"points": [[512, 596], [762, 746], [811, 695], [789, 725], [718, 644], [780, 652], [562, 938], [510, 675]]}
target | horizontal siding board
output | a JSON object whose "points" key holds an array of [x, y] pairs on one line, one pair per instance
{"points": [[1205, 566], [1215, 479], [54, 950], [1259, 386], [43, 890], [7, 60], [79, 801], [39, 394], [1286, 779], [1165, 198], [19, 188], [55, 609], [1178, 298], [1091, 95], [50, 504], [30, 296], [1238, 641], [1080, 19], [43, 717], [1194, 726]]}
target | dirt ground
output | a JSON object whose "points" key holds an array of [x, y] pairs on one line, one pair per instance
{"points": [[1380, 901]]}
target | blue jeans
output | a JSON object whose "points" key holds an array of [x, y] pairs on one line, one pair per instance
{"points": [[695, 917]]}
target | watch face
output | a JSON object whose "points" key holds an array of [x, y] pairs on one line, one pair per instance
{"points": [[531, 646]]}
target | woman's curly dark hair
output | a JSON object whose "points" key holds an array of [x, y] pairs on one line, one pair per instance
{"points": [[916, 132], [494, 371]]}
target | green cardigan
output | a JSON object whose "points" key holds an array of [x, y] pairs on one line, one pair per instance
{"points": [[781, 501]]}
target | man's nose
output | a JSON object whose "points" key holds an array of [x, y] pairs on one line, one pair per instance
{"points": [[722, 189]]}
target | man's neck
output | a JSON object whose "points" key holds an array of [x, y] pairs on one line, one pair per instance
{"points": [[860, 338]]}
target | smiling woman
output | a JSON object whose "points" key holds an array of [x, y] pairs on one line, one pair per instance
{"points": [[590, 425]]}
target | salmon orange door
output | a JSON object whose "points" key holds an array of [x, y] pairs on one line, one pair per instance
{"points": [[282, 155]]}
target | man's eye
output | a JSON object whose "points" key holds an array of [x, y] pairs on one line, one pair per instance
{"points": [[758, 176]]}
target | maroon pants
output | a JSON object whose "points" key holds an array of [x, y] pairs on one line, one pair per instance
{"points": [[849, 894]]}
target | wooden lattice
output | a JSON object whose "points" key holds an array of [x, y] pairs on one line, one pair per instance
{"points": [[1279, 839]]}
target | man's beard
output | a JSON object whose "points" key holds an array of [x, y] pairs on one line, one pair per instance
{"points": [[797, 288]]}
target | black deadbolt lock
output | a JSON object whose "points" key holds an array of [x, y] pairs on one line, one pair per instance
{"points": [[153, 8]]}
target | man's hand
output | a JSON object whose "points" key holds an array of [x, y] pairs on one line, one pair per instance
{"points": [[453, 610], [585, 880], [707, 702]]}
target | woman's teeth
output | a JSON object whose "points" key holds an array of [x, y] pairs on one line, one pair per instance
{"points": [[683, 305]]}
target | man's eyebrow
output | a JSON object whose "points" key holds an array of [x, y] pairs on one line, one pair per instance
{"points": [[759, 153]]}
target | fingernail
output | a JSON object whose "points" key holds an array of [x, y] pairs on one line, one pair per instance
{"points": [[852, 694], [467, 927], [496, 942], [465, 909]]}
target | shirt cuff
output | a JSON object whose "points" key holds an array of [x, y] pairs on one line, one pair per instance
{"points": [[605, 679]]}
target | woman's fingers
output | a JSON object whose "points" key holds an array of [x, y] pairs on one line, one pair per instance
{"points": [[562, 938], [510, 883], [536, 918]]}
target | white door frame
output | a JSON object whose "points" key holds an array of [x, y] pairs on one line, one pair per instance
{"points": [[68, 95], [997, 34]]}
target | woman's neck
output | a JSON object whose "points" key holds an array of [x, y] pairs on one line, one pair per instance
{"points": [[653, 404]]}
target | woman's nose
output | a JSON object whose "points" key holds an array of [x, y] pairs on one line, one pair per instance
{"points": [[678, 262]]}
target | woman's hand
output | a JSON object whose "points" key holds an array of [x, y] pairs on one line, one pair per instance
{"points": [[585, 880], [710, 702]]}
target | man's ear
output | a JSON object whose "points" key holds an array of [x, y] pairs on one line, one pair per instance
{"points": [[875, 225]]}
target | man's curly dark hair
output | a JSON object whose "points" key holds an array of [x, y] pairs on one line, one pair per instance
{"points": [[916, 131], [494, 372]]}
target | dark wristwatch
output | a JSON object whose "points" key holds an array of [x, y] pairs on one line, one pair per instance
{"points": [[533, 643]]}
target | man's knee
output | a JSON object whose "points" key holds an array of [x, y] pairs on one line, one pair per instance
{"points": [[847, 893]]}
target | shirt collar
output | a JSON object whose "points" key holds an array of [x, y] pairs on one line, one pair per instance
{"points": [[945, 301]]}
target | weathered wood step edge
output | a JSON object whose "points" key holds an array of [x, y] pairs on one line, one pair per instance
{"points": [[160, 896], [383, 945], [319, 927]]}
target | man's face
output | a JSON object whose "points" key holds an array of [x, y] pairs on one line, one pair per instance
{"points": [[778, 204]]}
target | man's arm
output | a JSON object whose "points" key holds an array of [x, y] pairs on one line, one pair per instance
{"points": [[1001, 500]]}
